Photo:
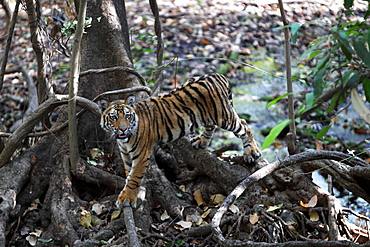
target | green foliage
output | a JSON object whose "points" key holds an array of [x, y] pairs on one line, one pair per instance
{"points": [[69, 27], [275, 131], [342, 57], [142, 43], [176, 243]]}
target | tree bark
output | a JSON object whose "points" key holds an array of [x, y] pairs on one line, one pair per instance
{"points": [[105, 44]]}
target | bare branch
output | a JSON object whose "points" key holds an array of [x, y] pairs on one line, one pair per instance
{"points": [[73, 86], [8, 43], [157, 75], [25, 128], [292, 142], [118, 68]]}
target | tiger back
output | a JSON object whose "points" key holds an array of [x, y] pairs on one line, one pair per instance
{"points": [[201, 101]]}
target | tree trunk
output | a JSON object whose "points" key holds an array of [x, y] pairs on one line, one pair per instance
{"points": [[105, 44]]}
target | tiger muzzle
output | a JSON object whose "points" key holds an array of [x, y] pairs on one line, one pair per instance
{"points": [[123, 133]]}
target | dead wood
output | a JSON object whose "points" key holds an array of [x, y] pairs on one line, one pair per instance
{"points": [[266, 170], [12, 179]]}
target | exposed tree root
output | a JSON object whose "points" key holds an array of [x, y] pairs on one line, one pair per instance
{"points": [[170, 181]]}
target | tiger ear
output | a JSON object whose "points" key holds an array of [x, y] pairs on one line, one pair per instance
{"points": [[131, 100], [103, 104]]}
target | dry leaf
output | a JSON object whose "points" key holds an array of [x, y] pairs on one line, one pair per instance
{"points": [[312, 203], [182, 188], [32, 240], [217, 199], [85, 219], [206, 213], [115, 215], [314, 216], [198, 197], [97, 208], [165, 216], [184, 224], [273, 208], [292, 228], [359, 105], [33, 206], [253, 218], [96, 153], [233, 208], [95, 221]]}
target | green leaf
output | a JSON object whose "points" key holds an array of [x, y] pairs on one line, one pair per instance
{"points": [[274, 132], [362, 52], [313, 45], [274, 101], [366, 87], [334, 102], [346, 76], [354, 80], [341, 36], [310, 98], [45, 240], [323, 131], [322, 62], [319, 82], [348, 4], [295, 27], [315, 53]]}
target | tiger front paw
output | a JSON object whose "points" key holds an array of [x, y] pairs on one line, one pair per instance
{"points": [[251, 153], [199, 142], [127, 198]]}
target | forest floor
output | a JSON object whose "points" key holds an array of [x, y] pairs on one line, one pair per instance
{"points": [[198, 37]]}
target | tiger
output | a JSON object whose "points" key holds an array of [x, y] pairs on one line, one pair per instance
{"points": [[202, 101]]}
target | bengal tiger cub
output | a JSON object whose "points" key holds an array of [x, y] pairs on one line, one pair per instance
{"points": [[201, 101]]}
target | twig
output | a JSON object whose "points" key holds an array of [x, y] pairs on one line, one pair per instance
{"points": [[157, 75], [73, 86], [122, 91], [112, 69], [292, 135], [8, 43], [33, 101]]}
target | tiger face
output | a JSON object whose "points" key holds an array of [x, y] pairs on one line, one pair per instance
{"points": [[120, 120]]}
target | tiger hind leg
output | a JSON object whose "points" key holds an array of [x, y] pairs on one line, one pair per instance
{"points": [[203, 140], [251, 150]]}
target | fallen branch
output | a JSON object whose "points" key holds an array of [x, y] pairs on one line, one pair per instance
{"points": [[17, 174], [263, 172], [130, 226]]}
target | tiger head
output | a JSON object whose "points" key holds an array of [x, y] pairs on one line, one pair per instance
{"points": [[120, 119]]}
